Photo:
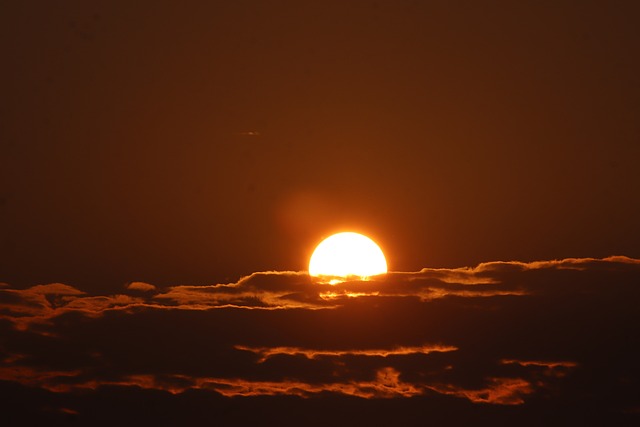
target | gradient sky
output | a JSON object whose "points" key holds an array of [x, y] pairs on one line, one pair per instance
{"points": [[168, 168], [200, 142]]}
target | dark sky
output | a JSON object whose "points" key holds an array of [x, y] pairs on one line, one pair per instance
{"points": [[199, 142]]}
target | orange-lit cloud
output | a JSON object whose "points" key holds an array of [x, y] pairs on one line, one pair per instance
{"points": [[48, 379], [295, 290], [549, 368], [387, 384], [567, 264], [267, 352], [501, 391], [140, 286], [39, 304], [505, 331], [541, 363]]}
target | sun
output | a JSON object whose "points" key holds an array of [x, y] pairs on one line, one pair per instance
{"points": [[345, 255]]}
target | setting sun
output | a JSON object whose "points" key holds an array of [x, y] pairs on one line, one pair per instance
{"points": [[345, 255]]}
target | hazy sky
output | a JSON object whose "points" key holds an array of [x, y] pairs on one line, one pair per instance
{"points": [[199, 142]]}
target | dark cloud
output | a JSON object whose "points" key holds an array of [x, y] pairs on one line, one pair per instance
{"points": [[508, 334], [267, 352]]}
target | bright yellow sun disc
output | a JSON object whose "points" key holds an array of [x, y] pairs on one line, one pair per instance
{"points": [[347, 254]]}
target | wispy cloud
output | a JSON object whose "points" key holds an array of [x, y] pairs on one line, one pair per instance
{"points": [[501, 391], [296, 290], [387, 384], [267, 352]]}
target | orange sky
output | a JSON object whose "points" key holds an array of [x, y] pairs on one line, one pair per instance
{"points": [[169, 167], [186, 144]]}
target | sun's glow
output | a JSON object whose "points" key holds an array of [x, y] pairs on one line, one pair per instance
{"points": [[346, 255]]}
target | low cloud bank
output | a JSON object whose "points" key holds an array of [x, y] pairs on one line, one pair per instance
{"points": [[502, 333]]}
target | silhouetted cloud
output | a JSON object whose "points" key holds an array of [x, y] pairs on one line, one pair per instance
{"points": [[502, 333], [267, 352]]}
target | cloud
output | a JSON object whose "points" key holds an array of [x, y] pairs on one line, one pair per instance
{"points": [[387, 384], [502, 391], [267, 352], [546, 364], [296, 290], [502, 333], [140, 286]]}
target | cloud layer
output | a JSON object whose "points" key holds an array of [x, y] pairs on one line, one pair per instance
{"points": [[504, 334]]}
